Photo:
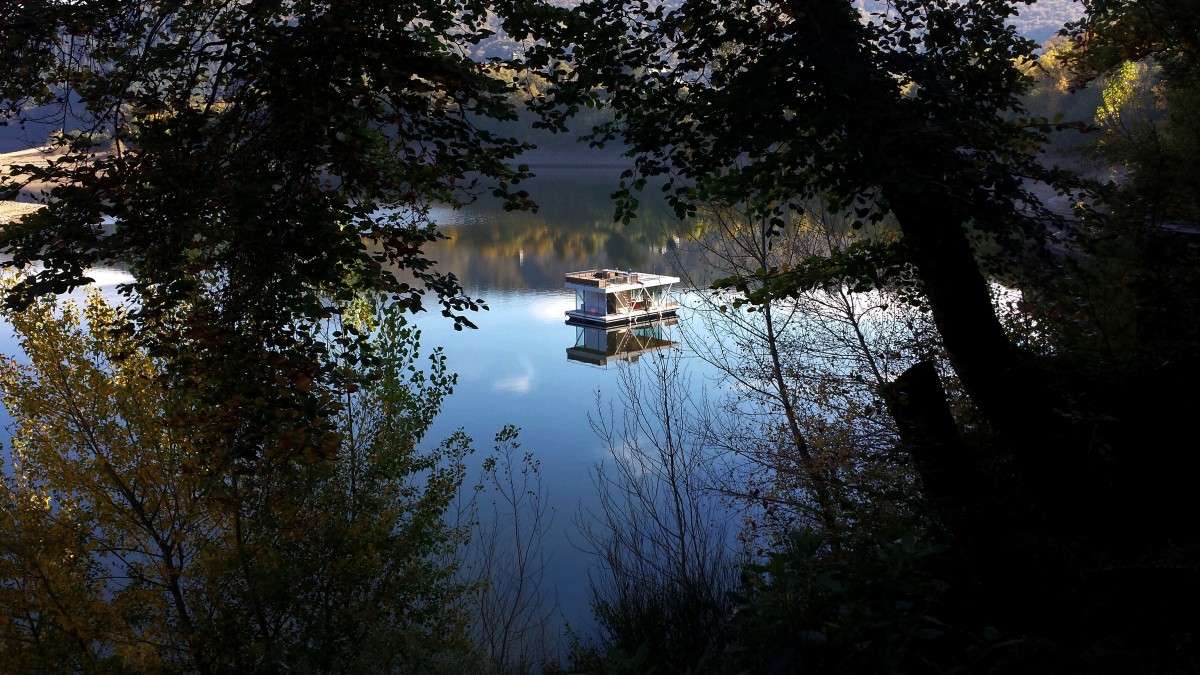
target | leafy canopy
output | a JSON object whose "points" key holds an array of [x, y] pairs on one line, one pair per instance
{"points": [[126, 546], [256, 141], [256, 166], [907, 109], [771, 104], [1147, 47]]}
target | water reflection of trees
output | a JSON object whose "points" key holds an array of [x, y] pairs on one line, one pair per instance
{"points": [[572, 228]]}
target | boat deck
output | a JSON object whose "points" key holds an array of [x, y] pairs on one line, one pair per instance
{"points": [[623, 317], [615, 281]]}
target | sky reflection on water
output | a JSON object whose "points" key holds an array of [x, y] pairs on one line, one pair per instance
{"points": [[514, 369]]}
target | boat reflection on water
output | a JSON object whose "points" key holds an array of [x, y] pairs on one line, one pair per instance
{"points": [[600, 346]]}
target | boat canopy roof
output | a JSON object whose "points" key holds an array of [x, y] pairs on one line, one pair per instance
{"points": [[615, 281]]}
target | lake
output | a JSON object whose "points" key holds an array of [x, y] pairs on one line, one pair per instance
{"points": [[515, 369]]}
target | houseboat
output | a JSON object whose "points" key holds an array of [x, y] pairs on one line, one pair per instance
{"points": [[611, 297]]}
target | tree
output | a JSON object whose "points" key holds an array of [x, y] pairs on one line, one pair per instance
{"points": [[512, 610], [660, 533], [1122, 41], [1124, 309], [806, 373], [909, 112], [1112, 32], [894, 111], [254, 165], [125, 546]]}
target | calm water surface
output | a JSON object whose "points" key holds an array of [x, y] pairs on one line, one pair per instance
{"points": [[514, 368]]}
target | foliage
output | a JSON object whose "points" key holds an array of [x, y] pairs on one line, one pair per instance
{"points": [[129, 547], [511, 625], [803, 414], [693, 100], [805, 610], [1112, 32], [1115, 317], [907, 109], [254, 166], [1114, 40], [1054, 94], [659, 535]]}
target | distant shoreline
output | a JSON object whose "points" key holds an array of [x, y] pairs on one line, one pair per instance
{"points": [[10, 211], [40, 156]]}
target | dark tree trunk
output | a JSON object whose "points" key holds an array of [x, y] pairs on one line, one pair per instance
{"points": [[917, 402], [1011, 394]]}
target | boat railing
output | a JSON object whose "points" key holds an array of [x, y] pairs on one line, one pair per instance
{"points": [[602, 278]]}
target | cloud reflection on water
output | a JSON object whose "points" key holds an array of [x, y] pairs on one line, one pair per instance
{"points": [[517, 384]]}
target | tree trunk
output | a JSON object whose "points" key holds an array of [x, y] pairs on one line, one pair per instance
{"points": [[917, 402], [1011, 394]]}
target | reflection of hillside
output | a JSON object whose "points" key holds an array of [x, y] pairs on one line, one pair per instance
{"points": [[572, 229], [537, 258]]}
